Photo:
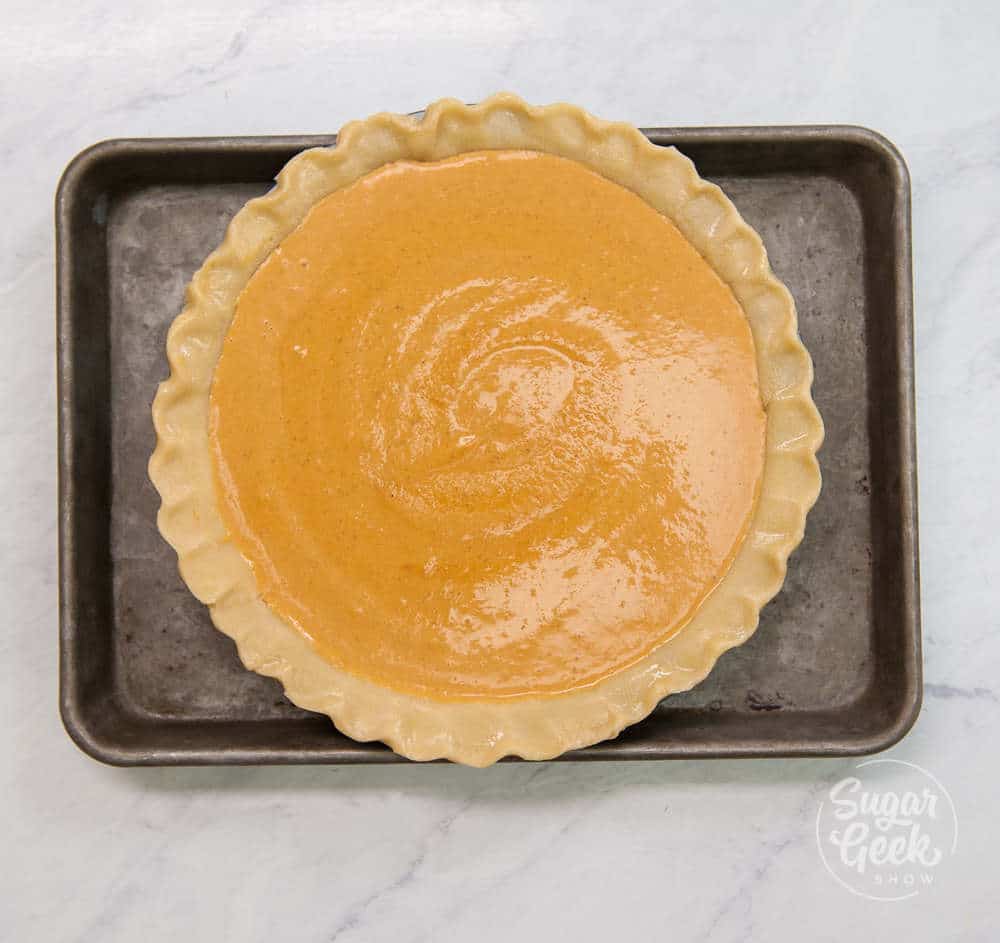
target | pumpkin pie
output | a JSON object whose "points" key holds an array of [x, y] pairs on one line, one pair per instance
{"points": [[486, 431]]}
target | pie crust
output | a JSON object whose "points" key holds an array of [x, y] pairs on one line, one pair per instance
{"points": [[480, 731]]}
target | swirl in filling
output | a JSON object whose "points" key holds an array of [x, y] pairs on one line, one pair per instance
{"points": [[487, 427]]}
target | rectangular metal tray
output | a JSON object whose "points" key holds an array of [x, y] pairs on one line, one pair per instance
{"points": [[834, 668]]}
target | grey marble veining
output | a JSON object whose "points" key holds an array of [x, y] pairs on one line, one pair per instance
{"points": [[703, 851]]}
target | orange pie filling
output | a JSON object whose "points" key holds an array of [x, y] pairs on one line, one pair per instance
{"points": [[486, 427]]}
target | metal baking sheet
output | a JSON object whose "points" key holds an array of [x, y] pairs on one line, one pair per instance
{"points": [[834, 668]]}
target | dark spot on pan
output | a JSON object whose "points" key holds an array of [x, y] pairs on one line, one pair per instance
{"points": [[765, 702]]}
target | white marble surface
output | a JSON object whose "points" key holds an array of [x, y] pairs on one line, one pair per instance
{"points": [[710, 851]]}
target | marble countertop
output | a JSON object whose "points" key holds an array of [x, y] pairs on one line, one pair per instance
{"points": [[721, 851]]}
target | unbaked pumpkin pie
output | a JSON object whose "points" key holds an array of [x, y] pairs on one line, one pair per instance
{"points": [[486, 431]]}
